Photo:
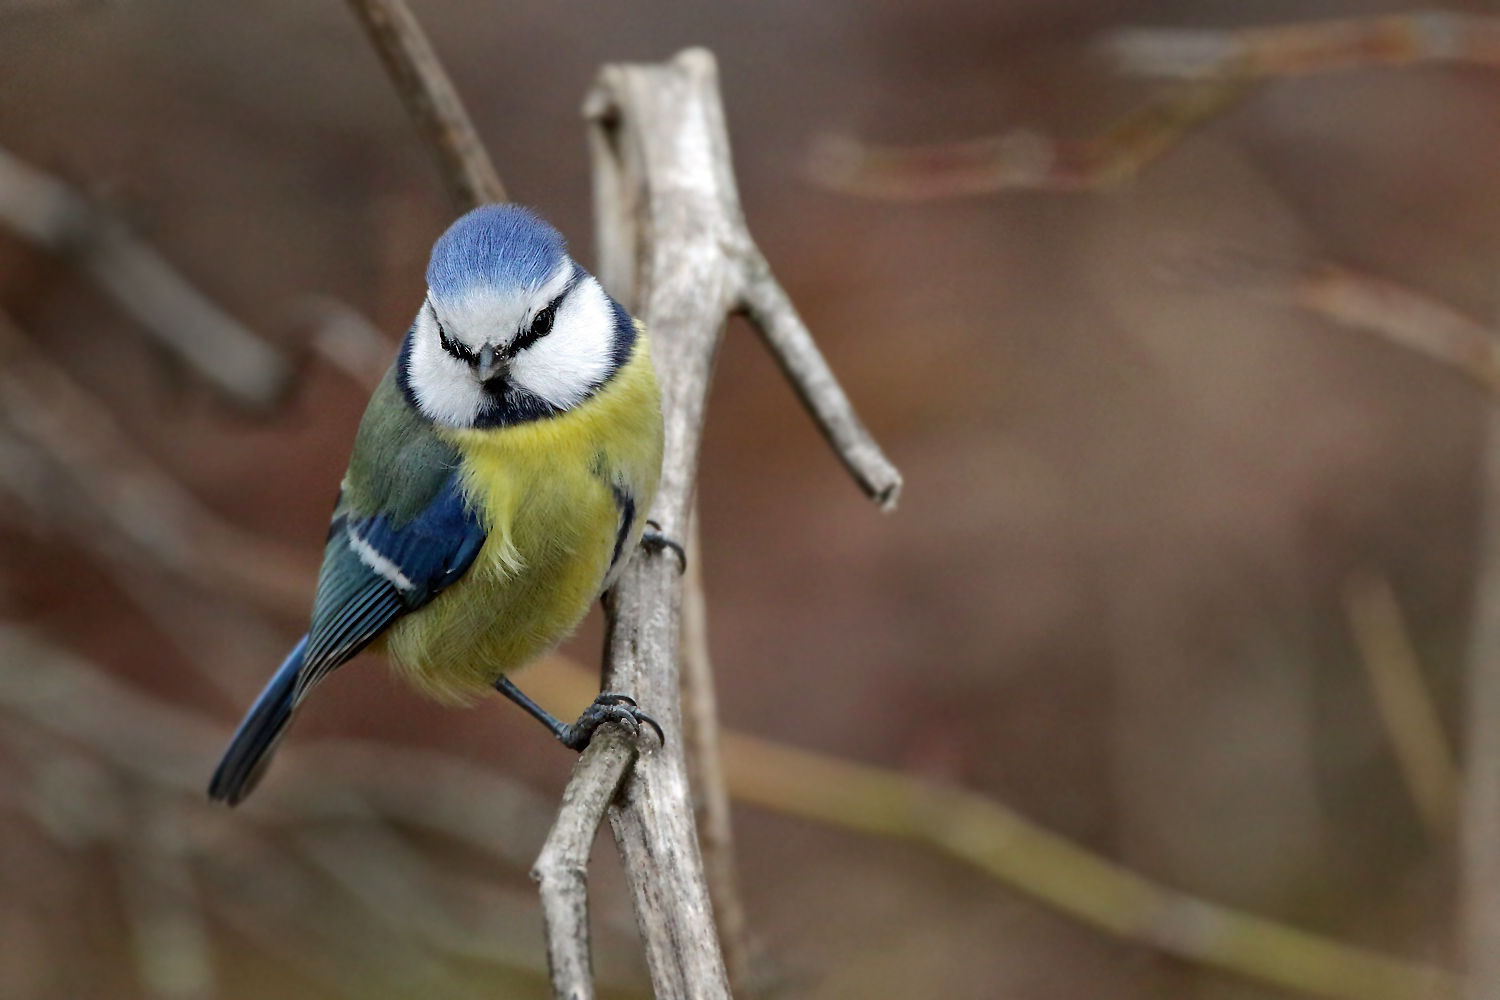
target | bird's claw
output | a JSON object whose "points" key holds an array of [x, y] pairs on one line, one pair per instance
{"points": [[652, 540], [608, 707]]}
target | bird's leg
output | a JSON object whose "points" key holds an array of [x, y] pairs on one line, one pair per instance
{"points": [[608, 707], [652, 540]]}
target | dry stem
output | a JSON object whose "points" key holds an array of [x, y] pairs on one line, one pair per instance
{"points": [[1310, 47], [432, 102], [1363, 302], [47, 212], [1410, 718], [140, 500], [674, 248], [562, 867], [700, 717], [1479, 834], [1025, 160]]}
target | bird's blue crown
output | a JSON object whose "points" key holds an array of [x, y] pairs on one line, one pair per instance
{"points": [[494, 245]]}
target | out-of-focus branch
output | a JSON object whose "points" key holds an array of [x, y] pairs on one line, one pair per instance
{"points": [[343, 337], [46, 211], [137, 498], [433, 104], [174, 957], [1025, 160], [1479, 835], [771, 312], [563, 866], [1216, 69], [1310, 47], [1410, 718], [1359, 301], [1030, 859], [700, 730], [675, 249], [1066, 877], [91, 746]]}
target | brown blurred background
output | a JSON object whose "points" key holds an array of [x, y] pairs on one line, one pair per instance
{"points": [[1110, 596]]}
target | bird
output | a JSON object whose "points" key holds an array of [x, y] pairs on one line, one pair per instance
{"points": [[497, 486]]}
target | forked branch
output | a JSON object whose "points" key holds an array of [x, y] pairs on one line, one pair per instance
{"points": [[675, 249]]}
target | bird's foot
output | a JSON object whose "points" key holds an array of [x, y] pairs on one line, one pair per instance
{"points": [[608, 707], [652, 540]]}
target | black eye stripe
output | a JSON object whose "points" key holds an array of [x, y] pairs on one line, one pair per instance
{"points": [[453, 347], [541, 323]]}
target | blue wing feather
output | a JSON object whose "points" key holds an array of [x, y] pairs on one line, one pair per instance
{"points": [[375, 570]]}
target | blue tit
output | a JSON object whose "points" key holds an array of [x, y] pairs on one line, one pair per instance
{"points": [[499, 482]]}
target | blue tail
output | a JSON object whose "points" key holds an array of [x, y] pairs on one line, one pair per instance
{"points": [[255, 741]]}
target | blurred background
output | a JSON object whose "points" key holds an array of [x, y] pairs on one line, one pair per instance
{"points": [[1114, 596]]}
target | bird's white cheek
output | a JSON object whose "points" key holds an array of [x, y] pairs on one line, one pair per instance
{"points": [[444, 387], [567, 364]]}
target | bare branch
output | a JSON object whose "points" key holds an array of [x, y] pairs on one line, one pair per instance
{"points": [[1025, 160], [45, 211], [700, 719], [137, 497], [1359, 301], [1066, 877], [174, 957], [434, 105], [1479, 836], [1406, 709], [562, 867], [771, 311], [674, 248], [343, 337], [1310, 47]]}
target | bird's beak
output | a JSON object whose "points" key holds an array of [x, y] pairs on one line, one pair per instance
{"points": [[490, 364]]}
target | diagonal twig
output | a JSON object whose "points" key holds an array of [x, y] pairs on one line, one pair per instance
{"points": [[1405, 705], [433, 104], [45, 211], [139, 499], [1359, 301], [1432, 36], [1026, 160]]}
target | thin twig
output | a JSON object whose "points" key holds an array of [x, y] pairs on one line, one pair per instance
{"points": [[1359, 301], [1410, 718], [46, 211], [169, 931], [346, 339], [771, 312], [1479, 834], [700, 721], [1025, 160], [1066, 877], [432, 102], [141, 501], [562, 867], [1445, 37]]}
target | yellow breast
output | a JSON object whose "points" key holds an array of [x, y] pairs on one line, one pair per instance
{"points": [[551, 494]]}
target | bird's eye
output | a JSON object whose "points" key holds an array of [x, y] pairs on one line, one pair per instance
{"points": [[541, 325]]}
